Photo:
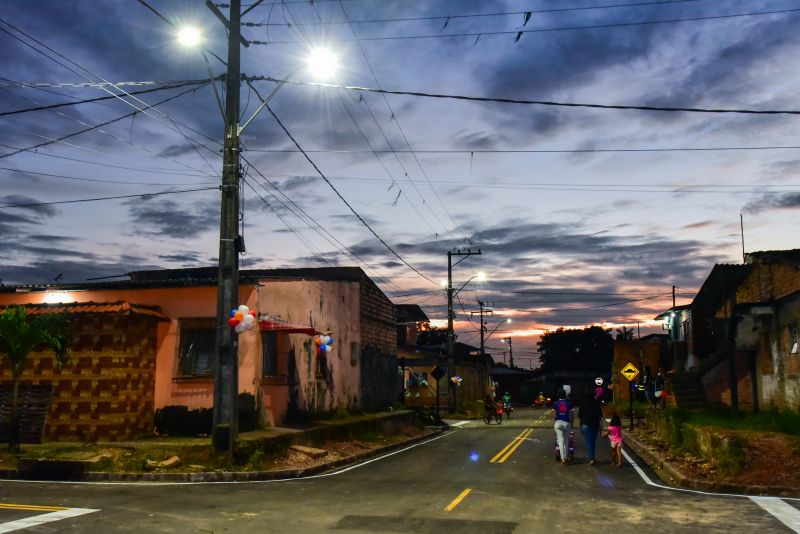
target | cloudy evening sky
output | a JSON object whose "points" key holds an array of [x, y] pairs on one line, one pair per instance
{"points": [[583, 215]]}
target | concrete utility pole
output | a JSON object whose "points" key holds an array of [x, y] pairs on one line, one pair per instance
{"points": [[510, 353], [226, 371], [451, 357], [674, 332]]}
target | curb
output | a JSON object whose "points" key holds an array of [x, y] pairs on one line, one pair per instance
{"points": [[670, 474], [236, 476]]}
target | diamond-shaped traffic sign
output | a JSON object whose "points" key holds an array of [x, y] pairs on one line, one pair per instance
{"points": [[630, 372]]}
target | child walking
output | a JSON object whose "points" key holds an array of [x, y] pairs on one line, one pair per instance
{"points": [[615, 436]]}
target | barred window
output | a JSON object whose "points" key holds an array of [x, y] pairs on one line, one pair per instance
{"points": [[197, 352]]}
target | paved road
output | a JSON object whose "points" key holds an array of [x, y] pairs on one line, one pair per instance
{"points": [[449, 484]]}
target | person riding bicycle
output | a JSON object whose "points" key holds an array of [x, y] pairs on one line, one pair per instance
{"points": [[489, 403]]}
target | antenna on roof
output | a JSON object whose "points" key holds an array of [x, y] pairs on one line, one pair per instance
{"points": [[58, 277], [107, 277]]}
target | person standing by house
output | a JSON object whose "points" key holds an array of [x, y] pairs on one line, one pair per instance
{"points": [[590, 415], [658, 390], [564, 415]]}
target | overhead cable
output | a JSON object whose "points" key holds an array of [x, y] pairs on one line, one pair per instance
{"points": [[525, 101], [96, 199]]}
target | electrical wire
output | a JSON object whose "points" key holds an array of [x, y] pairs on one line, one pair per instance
{"points": [[176, 85], [472, 15], [519, 32], [358, 216], [402, 133], [527, 102], [96, 199], [120, 182], [531, 150]]}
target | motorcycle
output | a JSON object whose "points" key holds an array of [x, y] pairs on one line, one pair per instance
{"points": [[507, 408], [542, 402]]}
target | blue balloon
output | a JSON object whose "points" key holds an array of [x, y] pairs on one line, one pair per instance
{"points": [[331, 340], [233, 312]]}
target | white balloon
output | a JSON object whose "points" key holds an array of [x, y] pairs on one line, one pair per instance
{"points": [[248, 319], [244, 309], [326, 340], [239, 328]]}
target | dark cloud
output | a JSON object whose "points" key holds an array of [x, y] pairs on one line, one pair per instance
{"points": [[773, 202], [44, 211], [169, 218]]}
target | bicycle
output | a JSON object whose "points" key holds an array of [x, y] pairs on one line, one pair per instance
{"points": [[493, 412]]}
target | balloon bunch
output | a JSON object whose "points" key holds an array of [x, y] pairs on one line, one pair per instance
{"points": [[242, 318], [323, 343], [456, 380]]}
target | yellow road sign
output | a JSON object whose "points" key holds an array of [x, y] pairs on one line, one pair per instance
{"points": [[630, 372]]}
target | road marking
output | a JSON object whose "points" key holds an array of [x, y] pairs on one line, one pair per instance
{"points": [[686, 490], [31, 507], [786, 514], [499, 454], [28, 522], [460, 423], [457, 500], [516, 446], [509, 449]]}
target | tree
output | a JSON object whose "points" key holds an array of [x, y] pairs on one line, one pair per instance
{"points": [[588, 350], [431, 336], [21, 334]]}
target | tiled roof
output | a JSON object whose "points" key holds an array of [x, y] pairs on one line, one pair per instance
{"points": [[80, 308]]}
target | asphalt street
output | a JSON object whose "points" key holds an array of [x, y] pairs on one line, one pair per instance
{"points": [[475, 478]]}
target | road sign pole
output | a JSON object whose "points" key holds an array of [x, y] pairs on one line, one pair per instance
{"points": [[630, 399]]}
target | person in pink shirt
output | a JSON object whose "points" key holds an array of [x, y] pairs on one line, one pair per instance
{"points": [[614, 433]]}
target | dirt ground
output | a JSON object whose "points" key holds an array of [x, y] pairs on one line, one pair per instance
{"points": [[772, 459], [195, 458]]}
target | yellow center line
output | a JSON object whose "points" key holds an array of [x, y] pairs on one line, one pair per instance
{"points": [[515, 447], [499, 454], [31, 507], [457, 500]]}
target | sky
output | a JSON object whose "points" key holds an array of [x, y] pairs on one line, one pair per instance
{"points": [[583, 215]]}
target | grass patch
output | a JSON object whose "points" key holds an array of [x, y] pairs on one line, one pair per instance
{"points": [[772, 420]]}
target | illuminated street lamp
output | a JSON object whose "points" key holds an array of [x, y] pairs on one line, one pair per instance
{"points": [[189, 36]]}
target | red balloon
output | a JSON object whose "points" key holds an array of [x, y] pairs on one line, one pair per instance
{"points": [[233, 321], [253, 313]]}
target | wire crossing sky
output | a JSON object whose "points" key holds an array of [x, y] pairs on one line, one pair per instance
{"points": [[598, 153]]}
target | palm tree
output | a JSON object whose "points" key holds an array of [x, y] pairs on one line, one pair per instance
{"points": [[20, 335]]}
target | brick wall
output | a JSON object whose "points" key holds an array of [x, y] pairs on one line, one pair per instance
{"points": [[769, 281], [380, 382], [106, 394]]}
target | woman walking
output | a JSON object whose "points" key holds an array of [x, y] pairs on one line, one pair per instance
{"points": [[564, 414], [591, 416]]}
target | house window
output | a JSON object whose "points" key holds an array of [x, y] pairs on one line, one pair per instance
{"points": [[793, 349], [197, 351], [270, 344]]}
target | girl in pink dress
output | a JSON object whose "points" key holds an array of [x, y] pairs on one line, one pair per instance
{"points": [[615, 436]]}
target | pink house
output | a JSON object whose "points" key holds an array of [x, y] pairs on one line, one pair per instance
{"points": [[278, 363]]}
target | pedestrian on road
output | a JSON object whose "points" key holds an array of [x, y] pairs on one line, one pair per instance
{"points": [[615, 436], [591, 416], [564, 415]]}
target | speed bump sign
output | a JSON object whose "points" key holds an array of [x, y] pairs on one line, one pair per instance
{"points": [[630, 372]]}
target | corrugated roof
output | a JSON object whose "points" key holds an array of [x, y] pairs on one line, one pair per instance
{"points": [[410, 313], [84, 308]]}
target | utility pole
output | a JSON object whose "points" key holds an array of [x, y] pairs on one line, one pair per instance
{"points": [[510, 353], [484, 310], [451, 356], [226, 370], [674, 332]]}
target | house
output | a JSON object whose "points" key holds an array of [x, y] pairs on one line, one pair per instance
{"points": [[278, 364], [740, 333], [421, 350]]}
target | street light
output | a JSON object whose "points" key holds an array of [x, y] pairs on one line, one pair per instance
{"points": [[189, 36], [322, 63]]}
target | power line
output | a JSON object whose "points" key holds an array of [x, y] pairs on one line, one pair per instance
{"points": [[140, 195], [529, 150], [466, 16], [524, 101], [358, 216], [519, 32], [60, 176]]}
